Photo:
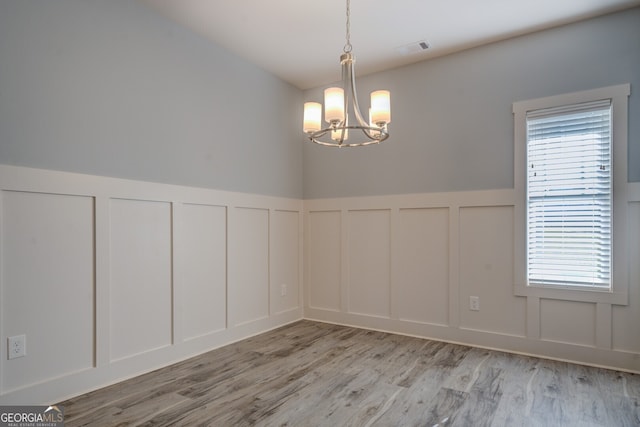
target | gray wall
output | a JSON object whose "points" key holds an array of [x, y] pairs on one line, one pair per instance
{"points": [[452, 122], [113, 88]]}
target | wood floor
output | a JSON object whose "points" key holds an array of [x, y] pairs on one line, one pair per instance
{"points": [[315, 374]]}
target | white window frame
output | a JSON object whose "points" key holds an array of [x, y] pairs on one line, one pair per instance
{"points": [[618, 293]]}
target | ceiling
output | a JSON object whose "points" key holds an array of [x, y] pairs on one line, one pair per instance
{"points": [[301, 40]]}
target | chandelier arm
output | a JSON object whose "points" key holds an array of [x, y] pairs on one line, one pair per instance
{"points": [[364, 125], [350, 80], [345, 71]]}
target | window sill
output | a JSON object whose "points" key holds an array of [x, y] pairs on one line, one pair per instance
{"points": [[567, 294]]}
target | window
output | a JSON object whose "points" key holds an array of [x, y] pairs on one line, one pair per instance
{"points": [[571, 198], [569, 195]]}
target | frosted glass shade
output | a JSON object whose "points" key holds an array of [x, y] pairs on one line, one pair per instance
{"points": [[334, 104], [312, 116], [381, 107]]}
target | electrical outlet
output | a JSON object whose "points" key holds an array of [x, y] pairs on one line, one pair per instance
{"points": [[17, 346], [283, 290], [474, 303]]}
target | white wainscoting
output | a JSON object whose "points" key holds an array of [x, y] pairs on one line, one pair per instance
{"points": [[111, 278], [410, 263]]}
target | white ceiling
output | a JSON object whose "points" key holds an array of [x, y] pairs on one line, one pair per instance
{"points": [[301, 40]]}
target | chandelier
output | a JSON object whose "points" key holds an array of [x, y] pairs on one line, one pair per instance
{"points": [[342, 112]]}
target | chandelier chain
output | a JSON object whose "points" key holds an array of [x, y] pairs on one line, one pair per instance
{"points": [[347, 47]]}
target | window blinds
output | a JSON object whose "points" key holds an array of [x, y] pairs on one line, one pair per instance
{"points": [[569, 195]]}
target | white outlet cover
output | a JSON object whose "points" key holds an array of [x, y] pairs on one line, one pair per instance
{"points": [[17, 346]]}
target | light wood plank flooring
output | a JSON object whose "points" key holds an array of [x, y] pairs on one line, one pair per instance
{"points": [[315, 374]]}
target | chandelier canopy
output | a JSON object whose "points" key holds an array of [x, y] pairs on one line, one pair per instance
{"points": [[342, 112]]}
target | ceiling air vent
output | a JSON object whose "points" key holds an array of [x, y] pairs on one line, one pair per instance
{"points": [[413, 48]]}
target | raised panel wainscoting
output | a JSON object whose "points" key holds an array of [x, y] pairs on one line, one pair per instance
{"points": [[111, 278], [410, 263]]}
